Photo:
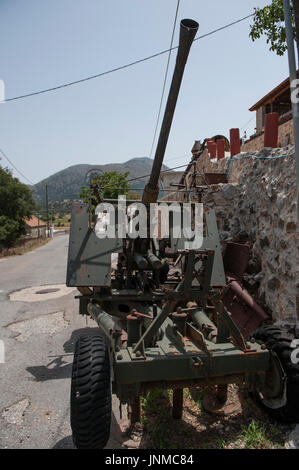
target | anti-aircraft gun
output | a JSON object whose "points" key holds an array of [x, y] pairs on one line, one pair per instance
{"points": [[158, 304]]}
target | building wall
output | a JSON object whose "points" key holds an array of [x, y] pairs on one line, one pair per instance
{"points": [[284, 130], [169, 178], [258, 202], [259, 119], [34, 232], [206, 165]]}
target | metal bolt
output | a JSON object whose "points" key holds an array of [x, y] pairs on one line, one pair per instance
{"points": [[197, 364]]}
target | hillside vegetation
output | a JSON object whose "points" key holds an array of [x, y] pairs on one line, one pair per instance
{"points": [[67, 184]]}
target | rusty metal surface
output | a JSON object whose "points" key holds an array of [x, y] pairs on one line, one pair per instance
{"points": [[212, 404], [177, 403], [246, 297], [134, 411], [215, 178], [245, 318], [222, 393], [246, 313], [236, 259]]}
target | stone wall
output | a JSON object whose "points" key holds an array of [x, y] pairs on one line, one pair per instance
{"points": [[206, 165], [258, 205], [285, 136]]}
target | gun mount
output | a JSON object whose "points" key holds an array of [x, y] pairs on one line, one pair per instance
{"points": [[161, 311]]}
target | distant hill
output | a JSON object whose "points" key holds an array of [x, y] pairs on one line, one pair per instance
{"points": [[67, 184]]}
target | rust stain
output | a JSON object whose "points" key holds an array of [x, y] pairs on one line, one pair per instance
{"points": [[83, 272]]}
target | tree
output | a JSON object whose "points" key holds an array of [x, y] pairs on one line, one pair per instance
{"points": [[133, 195], [269, 21], [106, 186], [16, 204]]}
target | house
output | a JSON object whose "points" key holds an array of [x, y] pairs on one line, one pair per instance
{"points": [[35, 227], [278, 101], [169, 181]]}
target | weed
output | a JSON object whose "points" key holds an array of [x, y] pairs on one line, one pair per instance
{"points": [[254, 435], [220, 443]]}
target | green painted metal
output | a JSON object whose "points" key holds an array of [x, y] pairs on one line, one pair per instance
{"points": [[211, 242], [176, 365], [205, 324], [89, 258]]}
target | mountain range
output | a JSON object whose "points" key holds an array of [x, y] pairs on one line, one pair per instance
{"points": [[67, 183]]}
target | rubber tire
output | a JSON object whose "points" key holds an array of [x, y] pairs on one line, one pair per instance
{"points": [[279, 342], [91, 393]]}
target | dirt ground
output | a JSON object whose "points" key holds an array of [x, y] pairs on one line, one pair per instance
{"points": [[247, 426]]}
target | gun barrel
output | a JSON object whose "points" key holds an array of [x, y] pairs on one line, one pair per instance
{"points": [[188, 29]]}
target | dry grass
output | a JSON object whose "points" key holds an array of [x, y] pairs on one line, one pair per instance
{"points": [[25, 247], [248, 427]]}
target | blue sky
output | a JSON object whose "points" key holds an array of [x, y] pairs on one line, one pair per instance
{"points": [[112, 119]]}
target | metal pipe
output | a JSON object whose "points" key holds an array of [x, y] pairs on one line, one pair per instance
{"points": [[134, 410], [205, 325], [177, 403], [203, 322], [133, 329], [293, 87], [222, 393], [188, 29], [244, 295], [103, 319]]}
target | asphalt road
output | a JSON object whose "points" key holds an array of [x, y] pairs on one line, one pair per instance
{"points": [[38, 333]]}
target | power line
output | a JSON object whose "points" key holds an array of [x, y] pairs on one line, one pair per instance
{"points": [[176, 158], [248, 122], [116, 69], [145, 176], [165, 78], [14, 166], [224, 27]]}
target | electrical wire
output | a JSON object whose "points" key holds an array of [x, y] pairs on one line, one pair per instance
{"points": [[145, 176], [248, 122], [176, 158], [116, 69], [14, 166]]}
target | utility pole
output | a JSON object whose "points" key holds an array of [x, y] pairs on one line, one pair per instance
{"points": [[293, 86], [296, 14], [47, 209], [52, 220]]}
